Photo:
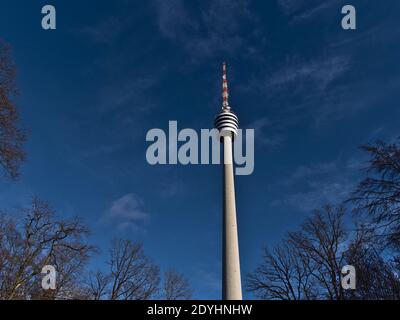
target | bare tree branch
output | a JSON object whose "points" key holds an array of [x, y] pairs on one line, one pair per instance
{"points": [[132, 275], [41, 239], [176, 287], [12, 137], [378, 194]]}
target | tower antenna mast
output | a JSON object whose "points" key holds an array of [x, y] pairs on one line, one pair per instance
{"points": [[225, 89]]}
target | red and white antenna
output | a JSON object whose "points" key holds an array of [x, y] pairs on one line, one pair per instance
{"points": [[225, 90]]}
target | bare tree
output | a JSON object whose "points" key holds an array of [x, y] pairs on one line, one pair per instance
{"points": [[41, 239], [176, 286], [307, 264], [98, 285], [321, 240], [132, 275], [377, 278], [12, 137], [283, 275], [378, 194]]}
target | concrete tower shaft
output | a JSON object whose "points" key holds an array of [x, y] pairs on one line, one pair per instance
{"points": [[227, 123]]}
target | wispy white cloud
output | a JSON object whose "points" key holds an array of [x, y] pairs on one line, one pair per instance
{"points": [[215, 30], [302, 10], [333, 192], [328, 84], [173, 18], [133, 93], [303, 172], [311, 13], [307, 88], [321, 72], [121, 109], [330, 182], [262, 130], [312, 88], [126, 212], [106, 31], [291, 6]]}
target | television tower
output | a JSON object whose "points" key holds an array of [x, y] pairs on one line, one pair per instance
{"points": [[227, 123]]}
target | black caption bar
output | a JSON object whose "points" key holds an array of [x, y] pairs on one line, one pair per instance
{"points": [[197, 309]]}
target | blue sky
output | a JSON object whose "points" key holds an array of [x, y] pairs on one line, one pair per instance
{"points": [[113, 70]]}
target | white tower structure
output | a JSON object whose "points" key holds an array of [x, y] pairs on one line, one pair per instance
{"points": [[227, 123]]}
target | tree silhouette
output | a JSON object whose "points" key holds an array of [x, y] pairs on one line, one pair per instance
{"points": [[131, 276], [12, 137], [41, 239], [176, 286], [307, 263], [378, 195]]}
